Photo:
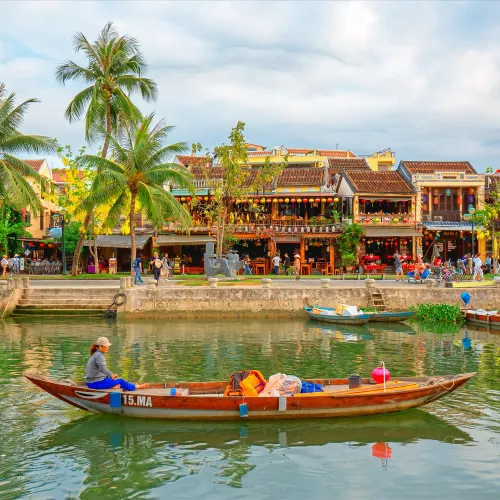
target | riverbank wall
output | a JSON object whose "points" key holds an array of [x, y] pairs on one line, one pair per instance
{"points": [[179, 302]]}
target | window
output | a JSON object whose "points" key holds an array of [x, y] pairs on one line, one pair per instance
{"points": [[42, 217], [28, 217]]}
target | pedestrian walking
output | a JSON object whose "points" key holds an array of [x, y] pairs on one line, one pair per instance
{"points": [[399, 266], [478, 268], [246, 264], [287, 263], [296, 266], [276, 264], [166, 268], [489, 262], [5, 263], [137, 267], [16, 264], [156, 265]]}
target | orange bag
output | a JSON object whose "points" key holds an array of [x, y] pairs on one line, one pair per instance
{"points": [[245, 383]]}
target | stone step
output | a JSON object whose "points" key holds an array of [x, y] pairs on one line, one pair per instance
{"points": [[66, 301], [72, 307], [59, 312], [82, 295]]}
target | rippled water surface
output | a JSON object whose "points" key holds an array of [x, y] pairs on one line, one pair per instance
{"points": [[450, 449]]}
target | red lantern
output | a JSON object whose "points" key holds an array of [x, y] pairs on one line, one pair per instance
{"points": [[42, 245], [293, 200], [436, 200], [459, 200], [329, 200], [268, 200], [470, 191], [317, 200], [305, 200], [212, 198], [188, 198], [177, 198], [200, 198], [386, 243], [281, 200], [425, 207]]}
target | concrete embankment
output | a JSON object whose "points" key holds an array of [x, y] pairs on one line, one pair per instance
{"points": [[276, 302]]}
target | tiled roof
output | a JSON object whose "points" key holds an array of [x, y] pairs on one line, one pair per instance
{"points": [[188, 161], [310, 176], [429, 167], [59, 175], [322, 152], [201, 173], [35, 164], [492, 182], [391, 182], [340, 164]]}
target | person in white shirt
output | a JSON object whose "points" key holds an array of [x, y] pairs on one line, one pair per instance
{"points": [[276, 264], [477, 268]]}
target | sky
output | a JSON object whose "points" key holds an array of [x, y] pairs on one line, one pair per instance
{"points": [[422, 78]]}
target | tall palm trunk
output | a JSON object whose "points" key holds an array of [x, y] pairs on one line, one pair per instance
{"points": [[90, 213], [133, 250]]}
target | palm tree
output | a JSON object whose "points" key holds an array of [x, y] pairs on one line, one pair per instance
{"points": [[16, 174], [134, 179], [114, 70]]}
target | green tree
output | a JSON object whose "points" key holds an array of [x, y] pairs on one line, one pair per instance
{"points": [[114, 69], [234, 183], [135, 179], [349, 241], [16, 175], [12, 227]]}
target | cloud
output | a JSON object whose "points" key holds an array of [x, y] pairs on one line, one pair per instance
{"points": [[420, 77]]}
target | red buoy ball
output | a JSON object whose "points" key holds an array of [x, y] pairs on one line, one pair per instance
{"points": [[378, 375]]}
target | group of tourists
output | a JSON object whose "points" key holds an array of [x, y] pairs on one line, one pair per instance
{"points": [[277, 261], [11, 265], [161, 267]]}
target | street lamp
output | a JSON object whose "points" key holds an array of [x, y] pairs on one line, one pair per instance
{"points": [[56, 217], [470, 216]]}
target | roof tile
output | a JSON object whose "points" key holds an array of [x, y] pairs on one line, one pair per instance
{"points": [[429, 167], [310, 176], [188, 161], [391, 182]]}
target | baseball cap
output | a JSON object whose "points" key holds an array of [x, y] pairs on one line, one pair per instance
{"points": [[103, 341]]}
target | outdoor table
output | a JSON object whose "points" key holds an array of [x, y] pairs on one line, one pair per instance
{"points": [[372, 268], [305, 269]]}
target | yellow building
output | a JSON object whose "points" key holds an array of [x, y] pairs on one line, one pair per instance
{"points": [[381, 161]]}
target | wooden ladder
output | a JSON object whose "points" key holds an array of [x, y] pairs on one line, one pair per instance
{"points": [[376, 299]]}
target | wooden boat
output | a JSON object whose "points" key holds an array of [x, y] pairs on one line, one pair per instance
{"points": [[391, 316], [481, 317], [330, 316], [207, 402]]}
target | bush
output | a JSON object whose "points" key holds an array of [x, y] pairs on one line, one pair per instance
{"points": [[438, 313], [348, 259]]}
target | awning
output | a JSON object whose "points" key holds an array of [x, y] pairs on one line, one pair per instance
{"points": [[450, 226], [381, 232], [182, 239], [119, 241], [387, 198]]}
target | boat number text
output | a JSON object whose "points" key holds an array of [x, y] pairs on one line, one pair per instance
{"points": [[130, 400]]}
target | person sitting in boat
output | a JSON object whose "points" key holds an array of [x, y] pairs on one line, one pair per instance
{"points": [[98, 376]]}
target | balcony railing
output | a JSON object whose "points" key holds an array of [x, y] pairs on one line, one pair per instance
{"points": [[380, 220]]}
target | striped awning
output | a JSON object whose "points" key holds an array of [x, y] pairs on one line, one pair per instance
{"points": [[381, 232], [450, 226]]}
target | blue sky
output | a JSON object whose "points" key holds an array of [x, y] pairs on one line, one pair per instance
{"points": [[420, 77]]}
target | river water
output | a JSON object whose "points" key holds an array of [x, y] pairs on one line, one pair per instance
{"points": [[49, 450]]}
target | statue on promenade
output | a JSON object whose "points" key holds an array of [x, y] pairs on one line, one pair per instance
{"points": [[228, 266]]}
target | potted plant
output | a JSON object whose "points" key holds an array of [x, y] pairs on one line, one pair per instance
{"points": [[348, 261]]}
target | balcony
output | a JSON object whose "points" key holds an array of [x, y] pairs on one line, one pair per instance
{"points": [[386, 220]]}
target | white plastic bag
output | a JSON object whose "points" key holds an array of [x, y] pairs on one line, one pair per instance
{"points": [[271, 388]]}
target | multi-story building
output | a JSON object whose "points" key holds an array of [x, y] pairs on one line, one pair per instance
{"points": [[445, 191]]}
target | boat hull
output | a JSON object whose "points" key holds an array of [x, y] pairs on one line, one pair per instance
{"points": [[491, 320], [391, 317], [208, 403], [361, 319]]}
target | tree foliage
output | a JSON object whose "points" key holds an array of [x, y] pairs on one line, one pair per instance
{"points": [[349, 241], [12, 227], [134, 180], [19, 182]]}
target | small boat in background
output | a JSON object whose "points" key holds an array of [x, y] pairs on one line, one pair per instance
{"points": [[329, 315], [482, 317], [391, 316]]}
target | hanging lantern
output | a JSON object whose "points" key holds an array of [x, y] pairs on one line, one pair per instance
{"points": [[269, 200], [436, 200], [183, 199], [329, 200], [317, 200], [287, 200], [299, 200], [471, 198], [275, 200], [200, 198], [425, 207], [311, 200], [436, 192], [238, 201], [448, 192], [188, 198], [323, 200], [293, 200], [212, 198], [206, 198], [426, 190], [386, 243], [336, 200], [280, 200], [177, 198], [42, 245], [459, 200], [424, 198], [244, 201], [470, 191], [262, 200]]}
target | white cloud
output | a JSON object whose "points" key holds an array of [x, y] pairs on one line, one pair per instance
{"points": [[420, 77]]}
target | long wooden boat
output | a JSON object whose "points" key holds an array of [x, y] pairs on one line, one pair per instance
{"points": [[481, 317], [391, 316], [329, 316], [207, 402]]}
